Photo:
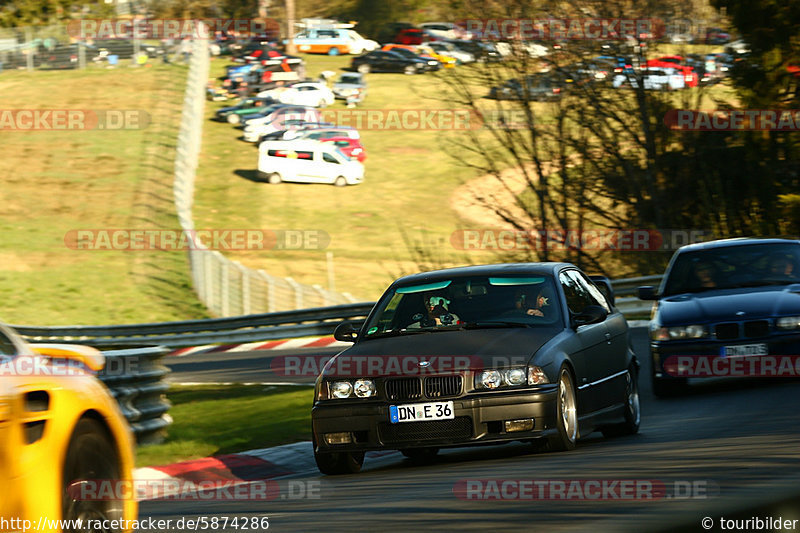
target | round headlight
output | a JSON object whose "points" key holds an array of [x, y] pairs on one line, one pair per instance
{"points": [[489, 379], [515, 376], [364, 388], [341, 389]]}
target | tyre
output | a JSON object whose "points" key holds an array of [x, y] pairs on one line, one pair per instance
{"points": [[274, 178], [233, 118], [566, 435], [364, 68], [340, 181], [333, 51], [322, 104], [91, 455], [633, 413], [337, 463], [420, 455], [410, 69]]}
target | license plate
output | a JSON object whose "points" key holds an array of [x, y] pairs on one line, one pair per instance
{"points": [[421, 412], [743, 350]]}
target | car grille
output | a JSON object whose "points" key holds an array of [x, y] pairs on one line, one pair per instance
{"points": [[403, 389], [756, 328], [442, 386], [457, 429], [732, 330]]}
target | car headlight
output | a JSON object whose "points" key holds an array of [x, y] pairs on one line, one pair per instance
{"points": [[364, 388], [514, 376], [788, 322], [675, 333], [341, 389], [489, 379], [433, 62]]}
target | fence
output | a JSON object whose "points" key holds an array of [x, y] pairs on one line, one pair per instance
{"points": [[228, 288]]}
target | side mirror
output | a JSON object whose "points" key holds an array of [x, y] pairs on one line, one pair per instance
{"points": [[591, 314], [345, 332], [647, 292], [604, 284]]}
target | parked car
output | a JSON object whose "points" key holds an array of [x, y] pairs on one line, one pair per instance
{"points": [[315, 131], [536, 87], [430, 64], [445, 30], [258, 133], [310, 94], [482, 51], [717, 36], [445, 60], [233, 114], [653, 78], [332, 41], [392, 61], [59, 426], [307, 162], [414, 36], [389, 31], [723, 299], [447, 48], [281, 119], [475, 355], [352, 148], [259, 116], [690, 77], [350, 84]]}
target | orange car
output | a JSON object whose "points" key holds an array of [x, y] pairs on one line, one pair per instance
{"points": [[59, 428]]}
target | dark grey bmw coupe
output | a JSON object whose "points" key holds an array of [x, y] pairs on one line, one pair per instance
{"points": [[481, 354]]}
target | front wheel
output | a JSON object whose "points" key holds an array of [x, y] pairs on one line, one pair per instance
{"points": [[566, 436], [233, 118], [340, 181], [410, 69], [633, 413], [337, 463], [364, 68]]}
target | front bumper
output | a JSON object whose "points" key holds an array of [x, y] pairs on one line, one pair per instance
{"points": [[661, 351], [479, 418]]}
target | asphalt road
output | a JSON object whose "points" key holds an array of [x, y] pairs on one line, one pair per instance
{"points": [[737, 442]]}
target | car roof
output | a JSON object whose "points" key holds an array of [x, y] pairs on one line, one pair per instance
{"points": [[737, 241], [500, 269]]}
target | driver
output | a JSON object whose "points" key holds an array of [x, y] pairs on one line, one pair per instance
{"points": [[436, 314], [782, 266], [532, 306]]}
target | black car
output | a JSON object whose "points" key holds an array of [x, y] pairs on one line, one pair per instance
{"points": [[388, 61], [537, 87], [482, 354], [430, 64], [723, 300]]}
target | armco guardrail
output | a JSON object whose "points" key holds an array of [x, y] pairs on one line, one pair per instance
{"points": [[249, 328], [304, 322], [226, 287], [134, 378]]}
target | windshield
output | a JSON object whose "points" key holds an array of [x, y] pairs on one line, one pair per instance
{"points": [[734, 266], [465, 303], [350, 79]]}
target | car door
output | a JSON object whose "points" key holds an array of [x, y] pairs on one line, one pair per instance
{"points": [[612, 362], [304, 165], [593, 341], [7, 473]]}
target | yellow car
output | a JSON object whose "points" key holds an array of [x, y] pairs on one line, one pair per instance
{"points": [[445, 60], [59, 427]]}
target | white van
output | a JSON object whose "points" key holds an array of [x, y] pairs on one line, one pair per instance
{"points": [[307, 162]]}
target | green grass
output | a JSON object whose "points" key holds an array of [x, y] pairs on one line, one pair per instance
{"points": [[57, 181], [212, 420]]}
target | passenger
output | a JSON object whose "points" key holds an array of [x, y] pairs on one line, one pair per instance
{"points": [[782, 266], [532, 306]]}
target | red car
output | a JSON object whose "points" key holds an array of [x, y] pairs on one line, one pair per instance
{"points": [[690, 77], [414, 36], [352, 148]]}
